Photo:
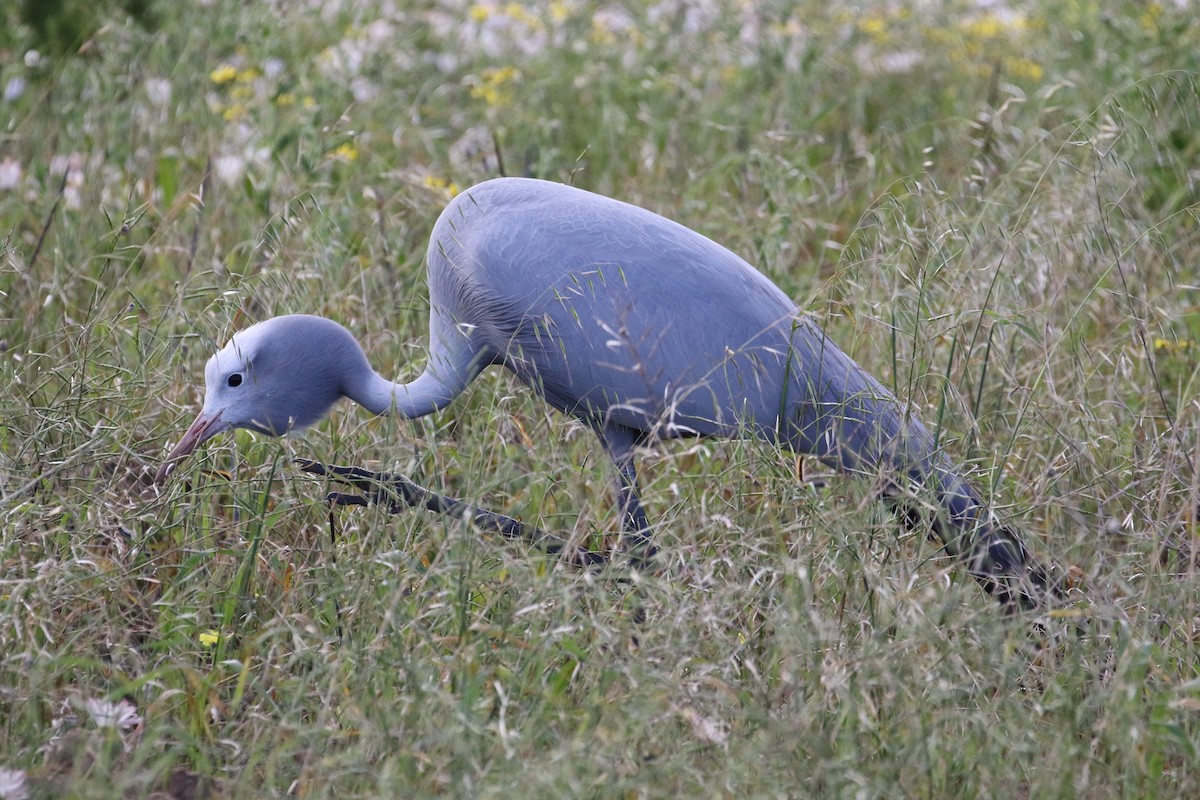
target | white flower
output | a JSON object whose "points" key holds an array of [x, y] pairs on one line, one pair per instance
{"points": [[10, 173], [476, 150], [158, 90], [900, 62], [12, 784], [72, 198], [14, 88], [72, 164], [346, 58], [121, 715], [364, 90], [33, 59], [230, 169], [380, 33]]}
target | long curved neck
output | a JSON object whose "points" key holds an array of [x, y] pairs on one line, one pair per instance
{"points": [[453, 364], [426, 394]]}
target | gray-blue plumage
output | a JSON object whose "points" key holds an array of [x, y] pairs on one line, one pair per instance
{"points": [[637, 326]]}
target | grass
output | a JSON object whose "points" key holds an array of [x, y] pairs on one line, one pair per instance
{"points": [[994, 211]]}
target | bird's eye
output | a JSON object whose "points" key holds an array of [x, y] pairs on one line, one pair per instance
{"points": [[235, 379]]}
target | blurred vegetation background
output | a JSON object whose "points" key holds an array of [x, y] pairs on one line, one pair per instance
{"points": [[991, 205]]}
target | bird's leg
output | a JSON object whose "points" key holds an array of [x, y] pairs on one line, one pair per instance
{"points": [[636, 538], [337, 607], [619, 442], [397, 492]]}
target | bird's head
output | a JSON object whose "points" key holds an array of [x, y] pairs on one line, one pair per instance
{"points": [[280, 375]]}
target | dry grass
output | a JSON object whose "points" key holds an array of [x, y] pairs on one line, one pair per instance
{"points": [[995, 211]]}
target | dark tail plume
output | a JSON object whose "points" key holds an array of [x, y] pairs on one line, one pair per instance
{"points": [[994, 554]]}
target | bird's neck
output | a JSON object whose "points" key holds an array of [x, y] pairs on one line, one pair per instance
{"points": [[426, 394]]}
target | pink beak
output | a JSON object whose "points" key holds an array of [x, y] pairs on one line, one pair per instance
{"points": [[203, 429]]}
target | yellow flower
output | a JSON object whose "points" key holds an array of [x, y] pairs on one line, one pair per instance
{"points": [[987, 26], [344, 152], [234, 112], [875, 27], [247, 75], [223, 74], [479, 12], [992, 26], [1024, 68], [602, 33], [1150, 17], [285, 100], [518, 13], [210, 637], [494, 86], [1170, 348], [443, 185]]}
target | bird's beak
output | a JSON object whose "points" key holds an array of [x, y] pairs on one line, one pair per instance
{"points": [[204, 428]]}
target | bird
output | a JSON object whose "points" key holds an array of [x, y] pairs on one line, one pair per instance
{"points": [[638, 327]]}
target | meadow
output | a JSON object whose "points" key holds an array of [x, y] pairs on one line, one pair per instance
{"points": [[991, 206]]}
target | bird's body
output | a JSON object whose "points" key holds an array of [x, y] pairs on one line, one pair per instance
{"points": [[623, 318], [639, 327]]}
